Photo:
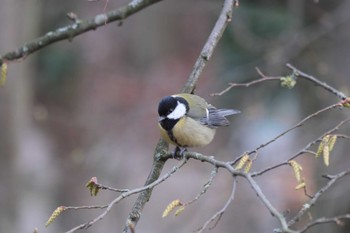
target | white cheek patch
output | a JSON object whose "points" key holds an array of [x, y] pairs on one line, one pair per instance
{"points": [[178, 112]]}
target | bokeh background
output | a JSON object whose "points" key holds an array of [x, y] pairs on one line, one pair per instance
{"points": [[87, 107]]}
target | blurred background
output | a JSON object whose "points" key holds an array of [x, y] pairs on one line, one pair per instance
{"points": [[88, 107]]}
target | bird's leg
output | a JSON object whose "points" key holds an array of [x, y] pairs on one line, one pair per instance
{"points": [[178, 152]]}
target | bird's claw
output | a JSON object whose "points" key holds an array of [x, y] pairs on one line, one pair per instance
{"points": [[179, 152]]}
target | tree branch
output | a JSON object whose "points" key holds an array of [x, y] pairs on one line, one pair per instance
{"points": [[285, 226], [73, 30], [143, 198], [332, 90], [206, 186], [305, 149], [248, 84], [315, 198], [219, 214], [299, 124], [162, 147], [126, 194], [208, 49], [160, 154], [296, 72], [324, 220], [268, 205]]}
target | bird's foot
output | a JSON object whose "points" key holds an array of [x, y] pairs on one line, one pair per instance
{"points": [[179, 152]]}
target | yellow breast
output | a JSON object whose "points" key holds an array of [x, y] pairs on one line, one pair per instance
{"points": [[189, 133]]}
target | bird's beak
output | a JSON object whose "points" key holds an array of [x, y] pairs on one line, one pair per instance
{"points": [[161, 118]]}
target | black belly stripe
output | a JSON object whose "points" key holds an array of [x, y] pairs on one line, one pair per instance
{"points": [[168, 125], [172, 138]]}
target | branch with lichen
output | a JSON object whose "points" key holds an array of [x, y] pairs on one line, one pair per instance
{"points": [[205, 55]]}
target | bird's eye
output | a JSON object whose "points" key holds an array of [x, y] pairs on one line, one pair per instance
{"points": [[170, 110]]}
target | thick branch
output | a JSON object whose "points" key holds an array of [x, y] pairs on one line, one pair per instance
{"points": [[158, 163], [73, 30], [143, 198], [208, 49]]}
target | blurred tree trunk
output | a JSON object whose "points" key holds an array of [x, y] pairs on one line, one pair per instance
{"points": [[20, 208]]}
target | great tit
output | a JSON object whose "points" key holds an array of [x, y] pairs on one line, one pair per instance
{"points": [[187, 120]]}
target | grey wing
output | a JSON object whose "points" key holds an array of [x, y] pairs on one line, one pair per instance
{"points": [[217, 117], [198, 107]]}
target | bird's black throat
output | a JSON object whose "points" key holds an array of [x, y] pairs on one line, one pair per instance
{"points": [[168, 124]]}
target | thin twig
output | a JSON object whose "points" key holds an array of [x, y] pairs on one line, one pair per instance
{"points": [[112, 189], [296, 71], [331, 131], [285, 227], [274, 212], [299, 124], [304, 150], [126, 194], [343, 136], [219, 214], [205, 187], [248, 84], [88, 207], [323, 220], [94, 185], [317, 195], [311, 78]]}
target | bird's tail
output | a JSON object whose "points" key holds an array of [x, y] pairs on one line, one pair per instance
{"points": [[217, 117], [226, 112]]}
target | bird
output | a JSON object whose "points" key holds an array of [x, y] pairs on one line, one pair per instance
{"points": [[187, 120]]}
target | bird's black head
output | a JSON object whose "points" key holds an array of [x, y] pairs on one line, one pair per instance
{"points": [[171, 109], [166, 106]]}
